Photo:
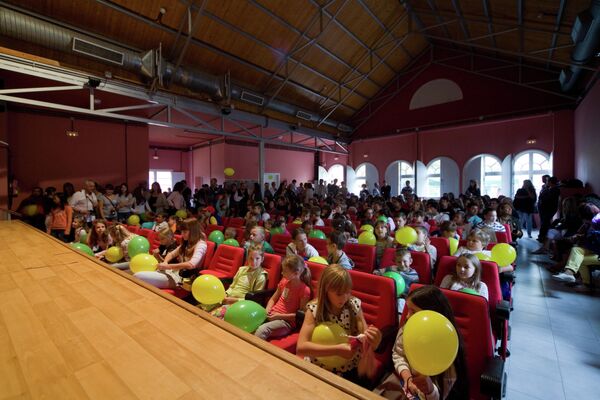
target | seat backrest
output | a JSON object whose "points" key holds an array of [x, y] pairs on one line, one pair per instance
{"points": [[378, 297], [154, 240], [227, 259], [316, 270], [272, 264], [473, 322], [279, 243], [240, 235], [320, 245], [210, 252], [145, 232], [422, 264], [133, 228], [491, 278], [211, 228], [363, 256], [442, 245], [328, 222], [446, 266], [235, 222], [502, 237], [178, 239]]}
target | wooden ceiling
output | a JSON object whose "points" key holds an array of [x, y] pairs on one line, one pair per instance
{"points": [[330, 56]]}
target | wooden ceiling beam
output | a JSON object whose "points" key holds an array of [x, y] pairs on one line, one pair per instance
{"points": [[438, 16], [210, 47], [459, 14], [488, 16]]}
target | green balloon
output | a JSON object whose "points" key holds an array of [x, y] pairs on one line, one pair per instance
{"points": [[382, 218], [138, 245], [216, 237], [83, 237], [246, 315], [469, 291], [231, 242], [148, 225], [317, 234], [83, 248], [277, 231], [400, 284]]}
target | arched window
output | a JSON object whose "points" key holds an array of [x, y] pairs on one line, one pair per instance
{"points": [[360, 178], [405, 173], [336, 172], [433, 182], [531, 165], [491, 176]]}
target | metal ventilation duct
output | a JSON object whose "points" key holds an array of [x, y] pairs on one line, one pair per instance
{"points": [[586, 36], [149, 64]]}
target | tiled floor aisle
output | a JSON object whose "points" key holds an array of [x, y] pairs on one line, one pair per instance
{"points": [[555, 341]]}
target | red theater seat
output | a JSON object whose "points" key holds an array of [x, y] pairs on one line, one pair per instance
{"points": [[320, 245], [279, 243], [225, 262], [154, 240], [499, 309], [325, 229], [144, 232], [210, 252], [363, 256], [502, 237], [487, 379], [211, 228], [133, 228], [442, 246], [421, 263], [235, 222]]}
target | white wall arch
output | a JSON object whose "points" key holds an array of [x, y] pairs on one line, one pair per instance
{"points": [[532, 165], [323, 174], [365, 173], [487, 170], [397, 173], [439, 176]]}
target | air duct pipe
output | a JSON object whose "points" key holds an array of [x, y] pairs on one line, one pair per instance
{"points": [[150, 64], [586, 37]]}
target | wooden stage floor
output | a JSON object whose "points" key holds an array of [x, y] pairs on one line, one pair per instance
{"points": [[71, 327]]}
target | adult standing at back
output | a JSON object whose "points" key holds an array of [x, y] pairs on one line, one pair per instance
{"points": [[124, 202], [84, 202], [407, 190], [473, 189], [547, 206], [524, 203], [386, 190], [175, 199], [157, 201]]}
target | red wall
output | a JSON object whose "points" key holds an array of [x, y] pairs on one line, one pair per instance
{"points": [[106, 152], [3, 161], [174, 160], [481, 97], [461, 143], [587, 138]]}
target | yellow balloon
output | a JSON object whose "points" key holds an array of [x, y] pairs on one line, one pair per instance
{"points": [[406, 235], [504, 254], [114, 254], [213, 221], [367, 238], [143, 262], [366, 228], [430, 342], [30, 210], [330, 334], [453, 245], [482, 256], [229, 171], [318, 260], [208, 289]]}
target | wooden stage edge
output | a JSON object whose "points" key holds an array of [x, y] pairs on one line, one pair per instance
{"points": [[327, 377]]}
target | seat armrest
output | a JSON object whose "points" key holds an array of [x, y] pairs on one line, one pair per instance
{"points": [[299, 319], [493, 379], [261, 297], [503, 309]]}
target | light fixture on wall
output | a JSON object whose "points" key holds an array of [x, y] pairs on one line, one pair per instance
{"points": [[365, 155], [155, 156], [72, 132], [336, 158], [531, 141]]}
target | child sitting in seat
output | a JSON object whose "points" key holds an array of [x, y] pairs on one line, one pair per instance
{"points": [[490, 224], [292, 294], [466, 276], [166, 238], [315, 215], [257, 238], [406, 383], [423, 245], [336, 304], [78, 226], [99, 240], [250, 278], [335, 243], [384, 241], [299, 246], [160, 222], [121, 238], [230, 233], [404, 267], [477, 242]]}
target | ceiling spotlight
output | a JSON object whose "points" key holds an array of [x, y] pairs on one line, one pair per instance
{"points": [[72, 132], [155, 156]]}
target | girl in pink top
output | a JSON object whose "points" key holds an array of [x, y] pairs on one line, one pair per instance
{"points": [[292, 294]]}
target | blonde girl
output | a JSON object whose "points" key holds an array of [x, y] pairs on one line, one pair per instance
{"points": [[99, 239], [466, 276], [384, 240]]}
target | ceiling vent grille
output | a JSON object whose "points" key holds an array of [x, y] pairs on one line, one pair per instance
{"points": [[97, 51], [252, 98], [304, 115]]}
